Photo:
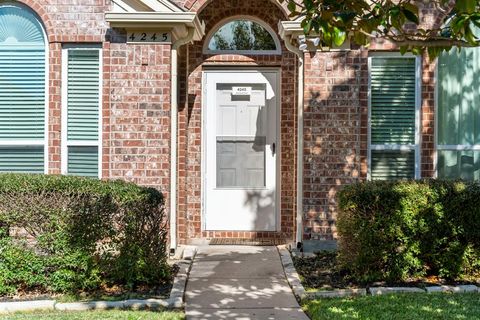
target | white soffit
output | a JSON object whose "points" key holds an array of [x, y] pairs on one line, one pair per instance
{"points": [[154, 14]]}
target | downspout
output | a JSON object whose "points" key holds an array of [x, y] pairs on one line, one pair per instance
{"points": [[301, 69], [174, 131]]}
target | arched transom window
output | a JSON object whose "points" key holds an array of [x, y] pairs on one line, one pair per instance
{"points": [[243, 35], [22, 91]]}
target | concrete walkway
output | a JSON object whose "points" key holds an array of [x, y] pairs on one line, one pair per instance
{"points": [[239, 282]]}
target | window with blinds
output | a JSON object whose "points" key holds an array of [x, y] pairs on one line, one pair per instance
{"points": [[81, 116], [394, 118], [458, 114], [22, 91]]}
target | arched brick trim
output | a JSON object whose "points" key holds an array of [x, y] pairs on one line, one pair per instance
{"points": [[42, 14], [269, 13], [199, 5]]}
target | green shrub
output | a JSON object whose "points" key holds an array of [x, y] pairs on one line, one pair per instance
{"points": [[397, 230], [79, 233]]}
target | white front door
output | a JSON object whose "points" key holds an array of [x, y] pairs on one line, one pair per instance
{"points": [[240, 150]]}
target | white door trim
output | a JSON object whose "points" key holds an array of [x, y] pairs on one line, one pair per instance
{"points": [[203, 176]]}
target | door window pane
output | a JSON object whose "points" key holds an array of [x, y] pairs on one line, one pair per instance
{"points": [[240, 163], [241, 136]]}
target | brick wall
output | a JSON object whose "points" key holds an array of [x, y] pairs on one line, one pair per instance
{"points": [[139, 86], [336, 85]]}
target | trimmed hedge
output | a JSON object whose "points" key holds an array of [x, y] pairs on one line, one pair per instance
{"points": [[394, 231], [65, 233]]}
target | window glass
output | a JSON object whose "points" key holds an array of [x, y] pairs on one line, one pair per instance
{"points": [[83, 161], [458, 114], [83, 111], [393, 117], [459, 97], [459, 164], [22, 91], [393, 164], [242, 35]]}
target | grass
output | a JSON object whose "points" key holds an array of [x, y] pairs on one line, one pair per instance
{"points": [[96, 315], [397, 307]]}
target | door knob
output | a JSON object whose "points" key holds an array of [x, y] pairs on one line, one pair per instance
{"points": [[273, 148]]}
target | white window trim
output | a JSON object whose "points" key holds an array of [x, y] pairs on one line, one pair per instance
{"points": [[65, 143], [418, 107], [277, 51], [45, 141]]}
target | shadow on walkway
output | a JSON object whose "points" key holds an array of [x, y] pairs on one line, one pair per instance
{"points": [[239, 282]]}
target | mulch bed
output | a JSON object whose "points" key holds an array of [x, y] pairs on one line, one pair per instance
{"points": [[322, 272]]}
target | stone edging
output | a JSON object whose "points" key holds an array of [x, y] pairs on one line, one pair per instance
{"points": [[300, 292], [175, 301], [291, 273]]}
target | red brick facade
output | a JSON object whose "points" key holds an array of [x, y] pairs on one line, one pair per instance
{"points": [[336, 85], [136, 110]]}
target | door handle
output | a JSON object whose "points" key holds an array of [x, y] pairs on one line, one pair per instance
{"points": [[273, 148]]}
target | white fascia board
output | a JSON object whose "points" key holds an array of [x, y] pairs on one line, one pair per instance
{"points": [[177, 22], [290, 28]]}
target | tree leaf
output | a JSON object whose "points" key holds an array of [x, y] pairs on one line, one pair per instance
{"points": [[466, 6], [411, 16], [292, 6], [339, 36]]}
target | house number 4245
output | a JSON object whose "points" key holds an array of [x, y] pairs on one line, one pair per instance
{"points": [[148, 37]]}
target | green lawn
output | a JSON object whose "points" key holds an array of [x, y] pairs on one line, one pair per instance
{"points": [[397, 307], [96, 315]]}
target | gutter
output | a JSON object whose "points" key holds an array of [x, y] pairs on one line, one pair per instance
{"points": [[174, 131], [301, 69]]}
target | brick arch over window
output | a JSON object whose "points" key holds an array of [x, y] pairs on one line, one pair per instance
{"points": [[215, 11], [44, 18], [199, 5]]}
